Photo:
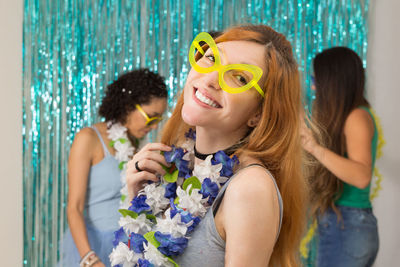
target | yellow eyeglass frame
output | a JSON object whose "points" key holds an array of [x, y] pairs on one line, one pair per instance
{"points": [[221, 69], [149, 120]]}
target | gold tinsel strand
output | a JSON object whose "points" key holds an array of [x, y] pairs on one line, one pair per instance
{"points": [[381, 142], [306, 240]]}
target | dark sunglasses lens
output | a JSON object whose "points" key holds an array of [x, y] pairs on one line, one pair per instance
{"points": [[153, 122]]}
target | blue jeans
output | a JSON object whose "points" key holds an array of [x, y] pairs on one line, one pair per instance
{"points": [[350, 242]]}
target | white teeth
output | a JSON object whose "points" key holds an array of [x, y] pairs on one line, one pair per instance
{"points": [[205, 100]]}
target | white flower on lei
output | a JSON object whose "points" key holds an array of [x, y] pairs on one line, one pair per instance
{"points": [[173, 226], [205, 170], [116, 131], [188, 145], [123, 175], [155, 197], [124, 151], [140, 225], [126, 203], [155, 257], [124, 256], [193, 202]]}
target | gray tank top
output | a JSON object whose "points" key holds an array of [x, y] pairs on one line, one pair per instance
{"points": [[206, 248]]}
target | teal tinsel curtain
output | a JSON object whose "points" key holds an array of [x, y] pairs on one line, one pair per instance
{"points": [[73, 48]]}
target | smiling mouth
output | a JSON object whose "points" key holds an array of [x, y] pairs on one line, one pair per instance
{"points": [[205, 100]]}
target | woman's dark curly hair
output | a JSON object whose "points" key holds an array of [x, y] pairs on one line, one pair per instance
{"points": [[134, 87]]}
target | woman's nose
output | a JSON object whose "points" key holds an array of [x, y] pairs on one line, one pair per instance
{"points": [[211, 80]]}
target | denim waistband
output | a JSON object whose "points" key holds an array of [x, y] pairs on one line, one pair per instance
{"points": [[347, 208]]}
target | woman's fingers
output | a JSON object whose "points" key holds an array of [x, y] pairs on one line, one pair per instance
{"points": [[136, 181], [156, 147], [145, 166], [150, 155], [151, 151], [143, 176], [150, 165]]}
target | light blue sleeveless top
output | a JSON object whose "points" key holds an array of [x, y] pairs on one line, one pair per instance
{"points": [[101, 211], [103, 193], [206, 248]]}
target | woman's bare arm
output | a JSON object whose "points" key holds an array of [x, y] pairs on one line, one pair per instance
{"points": [[249, 218], [356, 169], [80, 160]]}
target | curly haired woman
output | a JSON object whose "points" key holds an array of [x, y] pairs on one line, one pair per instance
{"points": [[135, 102]]}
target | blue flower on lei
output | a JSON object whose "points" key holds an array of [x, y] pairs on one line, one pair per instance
{"points": [[119, 236], [209, 189], [186, 217], [139, 204], [144, 263], [191, 134], [175, 156], [170, 190], [170, 246], [228, 163], [136, 242]]}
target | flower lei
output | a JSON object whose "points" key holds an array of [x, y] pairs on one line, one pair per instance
{"points": [[124, 152], [160, 219]]}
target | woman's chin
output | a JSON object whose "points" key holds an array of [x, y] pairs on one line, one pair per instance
{"points": [[190, 117]]}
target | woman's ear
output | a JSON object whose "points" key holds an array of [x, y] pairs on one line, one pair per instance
{"points": [[254, 120]]}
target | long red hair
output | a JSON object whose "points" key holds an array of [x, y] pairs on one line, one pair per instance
{"points": [[275, 141]]}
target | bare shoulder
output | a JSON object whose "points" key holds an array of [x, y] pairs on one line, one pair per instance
{"points": [[250, 198], [252, 183], [359, 121], [359, 117], [85, 138]]}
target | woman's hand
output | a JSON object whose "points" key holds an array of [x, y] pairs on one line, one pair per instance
{"points": [[307, 139], [148, 160]]}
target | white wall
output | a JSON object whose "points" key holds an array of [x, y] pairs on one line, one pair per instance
{"points": [[383, 76], [10, 133], [383, 91]]}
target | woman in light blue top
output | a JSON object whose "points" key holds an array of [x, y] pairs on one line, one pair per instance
{"points": [[136, 100]]}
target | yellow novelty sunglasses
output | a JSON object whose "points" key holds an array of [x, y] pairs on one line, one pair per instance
{"points": [[149, 120], [233, 78]]}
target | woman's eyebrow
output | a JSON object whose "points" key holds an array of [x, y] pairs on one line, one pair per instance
{"points": [[222, 52]]}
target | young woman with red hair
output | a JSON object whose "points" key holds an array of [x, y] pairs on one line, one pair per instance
{"points": [[253, 112]]}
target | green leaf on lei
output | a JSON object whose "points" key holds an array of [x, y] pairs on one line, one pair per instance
{"points": [[194, 181], [149, 236], [174, 263], [123, 197], [171, 177], [121, 140], [129, 213], [121, 165], [111, 144], [151, 217]]}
